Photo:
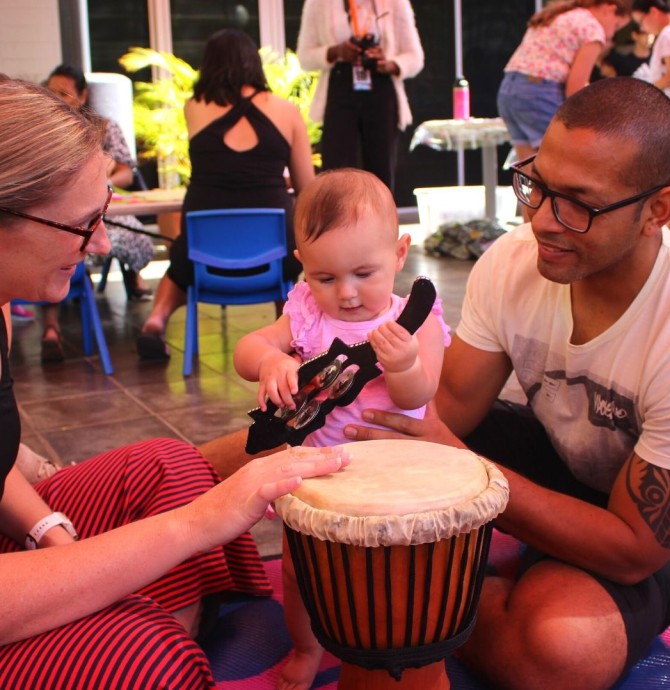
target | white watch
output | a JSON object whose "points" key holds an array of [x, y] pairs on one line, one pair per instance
{"points": [[45, 524]]}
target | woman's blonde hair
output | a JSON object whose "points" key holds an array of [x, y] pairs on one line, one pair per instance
{"points": [[553, 9], [43, 144]]}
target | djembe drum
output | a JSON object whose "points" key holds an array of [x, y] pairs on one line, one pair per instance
{"points": [[389, 555]]}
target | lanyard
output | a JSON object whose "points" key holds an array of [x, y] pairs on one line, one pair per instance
{"points": [[352, 12]]}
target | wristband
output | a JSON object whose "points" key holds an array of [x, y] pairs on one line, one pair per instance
{"points": [[44, 525]]}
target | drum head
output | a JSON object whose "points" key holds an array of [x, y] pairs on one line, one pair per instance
{"points": [[396, 492]]}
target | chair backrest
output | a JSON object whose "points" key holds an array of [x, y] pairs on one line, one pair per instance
{"points": [[238, 253]]}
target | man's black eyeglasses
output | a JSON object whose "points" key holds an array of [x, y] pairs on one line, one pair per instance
{"points": [[86, 232], [571, 213]]}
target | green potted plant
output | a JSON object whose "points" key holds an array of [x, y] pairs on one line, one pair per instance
{"points": [[158, 112], [158, 107]]}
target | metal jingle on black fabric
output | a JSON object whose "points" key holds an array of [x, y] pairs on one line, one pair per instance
{"points": [[286, 413], [328, 374], [306, 414], [343, 383]]}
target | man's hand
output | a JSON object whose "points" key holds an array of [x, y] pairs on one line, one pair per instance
{"points": [[430, 428]]}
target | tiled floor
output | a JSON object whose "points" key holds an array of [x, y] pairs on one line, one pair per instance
{"points": [[72, 410]]}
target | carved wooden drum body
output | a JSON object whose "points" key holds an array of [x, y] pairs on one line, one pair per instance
{"points": [[389, 553]]}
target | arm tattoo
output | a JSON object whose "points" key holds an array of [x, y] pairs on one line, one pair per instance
{"points": [[649, 488]]}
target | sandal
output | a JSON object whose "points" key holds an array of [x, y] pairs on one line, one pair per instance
{"points": [[152, 346], [52, 348]]}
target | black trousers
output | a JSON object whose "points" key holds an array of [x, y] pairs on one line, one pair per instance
{"points": [[360, 128]]}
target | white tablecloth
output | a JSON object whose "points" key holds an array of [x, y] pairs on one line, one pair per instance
{"points": [[450, 135]]}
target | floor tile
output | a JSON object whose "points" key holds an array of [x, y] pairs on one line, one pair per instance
{"points": [[74, 444]]}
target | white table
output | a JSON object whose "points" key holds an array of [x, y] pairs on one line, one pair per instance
{"points": [[458, 135], [146, 203]]}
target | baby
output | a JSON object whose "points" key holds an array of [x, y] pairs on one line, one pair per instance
{"points": [[346, 231]]}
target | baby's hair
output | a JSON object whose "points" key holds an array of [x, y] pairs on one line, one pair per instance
{"points": [[340, 197]]}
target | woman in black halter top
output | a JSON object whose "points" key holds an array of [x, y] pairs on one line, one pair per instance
{"points": [[242, 139], [105, 564]]}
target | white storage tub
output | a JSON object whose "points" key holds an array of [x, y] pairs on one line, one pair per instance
{"points": [[438, 205]]}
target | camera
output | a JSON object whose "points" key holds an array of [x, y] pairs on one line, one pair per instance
{"points": [[366, 42]]}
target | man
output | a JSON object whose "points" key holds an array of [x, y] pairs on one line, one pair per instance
{"points": [[577, 304]]}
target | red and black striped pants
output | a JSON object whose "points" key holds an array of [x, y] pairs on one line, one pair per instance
{"points": [[135, 644]]}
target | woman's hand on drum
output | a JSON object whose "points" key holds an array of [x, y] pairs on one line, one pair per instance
{"points": [[239, 502], [396, 425]]}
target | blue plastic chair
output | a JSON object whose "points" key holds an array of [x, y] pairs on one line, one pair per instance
{"points": [[237, 258], [81, 288]]}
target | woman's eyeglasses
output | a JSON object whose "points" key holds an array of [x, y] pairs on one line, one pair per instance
{"points": [[571, 213], [86, 232]]}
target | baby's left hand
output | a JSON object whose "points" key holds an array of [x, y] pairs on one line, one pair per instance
{"points": [[395, 347]]}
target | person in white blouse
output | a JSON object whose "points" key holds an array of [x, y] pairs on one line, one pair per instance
{"points": [[364, 50]]}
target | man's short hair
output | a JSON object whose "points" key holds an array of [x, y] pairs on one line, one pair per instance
{"points": [[626, 109]]}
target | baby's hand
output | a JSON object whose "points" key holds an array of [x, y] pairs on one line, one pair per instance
{"points": [[278, 379], [395, 347]]}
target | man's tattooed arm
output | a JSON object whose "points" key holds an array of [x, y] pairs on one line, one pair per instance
{"points": [[649, 488]]}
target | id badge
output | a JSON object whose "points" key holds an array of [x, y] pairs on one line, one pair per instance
{"points": [[362, 79]]}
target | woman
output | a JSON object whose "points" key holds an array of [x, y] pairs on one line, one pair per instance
{"points": [[555, 58], [364, 49], [133, 249], [242, 138], [116, 601]]}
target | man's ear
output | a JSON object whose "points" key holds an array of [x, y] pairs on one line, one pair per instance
{"points": [[659, 211], [402, 249]]}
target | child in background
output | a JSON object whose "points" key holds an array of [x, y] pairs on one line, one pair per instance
{"points": [[346, 230], [554, 60]]}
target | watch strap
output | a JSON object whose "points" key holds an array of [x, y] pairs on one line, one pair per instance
{"points": [[41, 527]]}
